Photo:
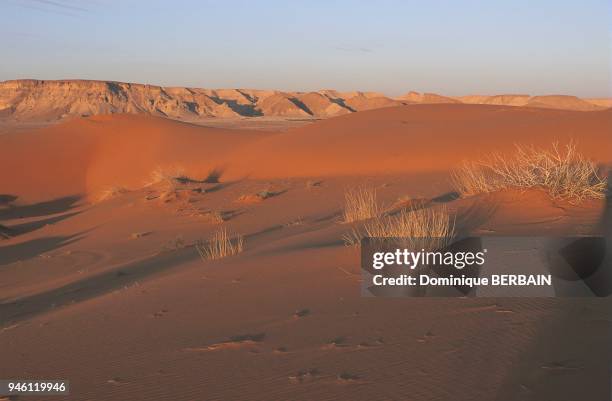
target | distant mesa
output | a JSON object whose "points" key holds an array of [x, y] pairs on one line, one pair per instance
{"points": [[561, 102], [500, 100], [283, 105], [361, 101], [36, 100], [322, 105], [428, 98]]}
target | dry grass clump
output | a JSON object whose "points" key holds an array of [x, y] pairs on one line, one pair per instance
{"points": [[220, 245], [266, 193], [360, 204], [430, 228], [213, 176], [167, 176], [215, 216], [259, 196], [313, 183], [110, 193], [565, 174]]}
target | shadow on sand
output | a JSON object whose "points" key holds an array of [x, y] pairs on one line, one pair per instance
{"points": [[93, 286], [31, 249], [45, 208]]}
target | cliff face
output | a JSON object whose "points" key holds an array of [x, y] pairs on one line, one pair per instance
{"points": [[52, 100], [49, 100]]}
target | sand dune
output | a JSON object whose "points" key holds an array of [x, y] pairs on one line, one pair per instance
{"points": [[284, 319], [89, 155], [85, 156], [418, 138]]}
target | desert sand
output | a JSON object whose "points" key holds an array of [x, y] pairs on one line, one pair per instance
{"points": [[101, 282]]}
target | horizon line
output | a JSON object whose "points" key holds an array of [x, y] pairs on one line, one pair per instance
{"points": [[298, 91]]}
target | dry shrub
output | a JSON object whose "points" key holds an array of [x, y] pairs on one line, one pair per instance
{"points": [[360, 204], [313, 183], [215, 216], [213, 176], [220, 245], [110, 193], [259, 196], [167, 176], [565, 174], [430, 228]]}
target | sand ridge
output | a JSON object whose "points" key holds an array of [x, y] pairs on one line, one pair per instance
{"points": [[88, 155]]}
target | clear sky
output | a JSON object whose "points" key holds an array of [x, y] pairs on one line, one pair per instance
{"points": [[453, 47]]}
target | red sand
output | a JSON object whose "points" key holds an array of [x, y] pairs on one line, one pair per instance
{"points": [[114, 297], [85, 156]]}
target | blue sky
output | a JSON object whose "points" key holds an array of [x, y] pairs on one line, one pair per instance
{"points": [[453, 47]]}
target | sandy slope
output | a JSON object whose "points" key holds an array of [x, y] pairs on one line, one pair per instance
{"points": [[418, 138], [85, 156], [114, 297]]}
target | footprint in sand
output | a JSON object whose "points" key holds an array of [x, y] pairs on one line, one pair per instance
{"points": [[304, 376], [301, 313], [338, 342], [427, 337], [347, 378], [560, 367], [376, 343], [235, 342], [159, 313]]}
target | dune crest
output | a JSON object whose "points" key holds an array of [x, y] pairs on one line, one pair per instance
{"points": [[85, 156], [89, 155], [417, 138]]}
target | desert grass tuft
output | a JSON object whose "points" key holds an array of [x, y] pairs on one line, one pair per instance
{"points": [[110, 193], [360, 204], [220, 245], [213, 176], [167, 176], [313, 183], [214, 216], [259, 196], [564, 174], [430, 228]]}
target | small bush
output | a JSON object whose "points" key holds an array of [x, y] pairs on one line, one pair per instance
{"points": [[215, 216], [167, 176], [564, 174], [220, 245], [213, 176], [360, 204], [259, 196], [110, 193], [422, 228]]}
